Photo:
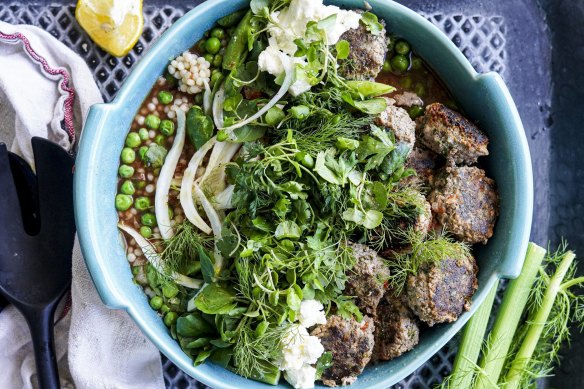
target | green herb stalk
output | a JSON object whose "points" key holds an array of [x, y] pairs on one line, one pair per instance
{"points": [[537, 325], [508, 318]]}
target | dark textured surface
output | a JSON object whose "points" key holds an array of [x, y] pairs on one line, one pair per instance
{"points": [[513, 38]]}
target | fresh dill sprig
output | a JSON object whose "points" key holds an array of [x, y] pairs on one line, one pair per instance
{"points": [[182, 250], [433, 248]]}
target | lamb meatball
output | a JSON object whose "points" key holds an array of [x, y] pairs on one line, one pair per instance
{"points": [[367, 278], [465, 202], [367, 53], [399, 122], [351, 344], [424, 162], [441, 291], [396, 328], [450, 134]]}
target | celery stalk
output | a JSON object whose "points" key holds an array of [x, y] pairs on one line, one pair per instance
{"points": [[508, 318], [536, 326], [471, 343]]}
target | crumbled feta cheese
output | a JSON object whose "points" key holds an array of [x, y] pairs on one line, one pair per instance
{"points": [[311, 313], [302, 378], [290, 24]]}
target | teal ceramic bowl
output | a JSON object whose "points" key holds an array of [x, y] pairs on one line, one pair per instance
{"points": [[484, 97]]}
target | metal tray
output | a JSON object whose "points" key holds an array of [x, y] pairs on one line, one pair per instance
{"points": [[536, 45]]}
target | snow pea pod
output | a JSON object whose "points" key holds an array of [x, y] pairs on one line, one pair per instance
{"points": [[237, 48], [231, 19], [199, 126]]}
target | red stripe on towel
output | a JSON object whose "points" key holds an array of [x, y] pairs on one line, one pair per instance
{"points": [[60, 72]]}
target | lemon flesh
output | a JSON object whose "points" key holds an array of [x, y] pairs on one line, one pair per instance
{"points": [[114, 25]]}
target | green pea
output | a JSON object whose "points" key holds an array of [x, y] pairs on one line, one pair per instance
{"points": [[417, 63], [142, 152], [212, 45], [274, 116], [406, 82], [146, 231], [152, 121], [123, 202], [143, 133], [215, 77], [171, 82], [218, 33], [164, 308], [126, 171], [156, 302], [133, 140], [420, 89], [142, 203], [160, 139], [167, 127], [148, 219], [199, 98], [141, 184], [415, 111], [128, 188], [217, 60], [402, 47], [222, 135], [169, 290], [128, 155], [400, 63], [170, 318], [208, 57], [156, 171], [136, 270], [165, 97], [386, 66]]}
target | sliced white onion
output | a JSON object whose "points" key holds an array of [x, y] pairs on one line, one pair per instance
{"points": [[281, 92], [223, 200], [218, 102], [207, 96], [215, 220], [166, 176], [186, 187], [154, 258], [225, 152]]}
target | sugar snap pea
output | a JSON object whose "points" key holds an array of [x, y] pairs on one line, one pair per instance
{"points": [[199, 126], [231, 19], [237, 48]]}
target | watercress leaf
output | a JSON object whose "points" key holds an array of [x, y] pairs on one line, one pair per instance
{"points": [[346, 144], [193, 325], [332, 169], [372, 219], [353, 215], [274, 116], [396, 159], [257, 5], [328, 23], [228, 242], [366, 89], [324, 362], [198, 343], [261, 223], [155, 155], [343, 48], [252, 246], [371, 22], [215, 299], [207, 268], [199, 126], [308, 292], [247, 133], [294, 189], [282, 207], [302, 212], [382, 135], [293, 300], [347, 309], [287, 230], [299, 112], [372, 106]]}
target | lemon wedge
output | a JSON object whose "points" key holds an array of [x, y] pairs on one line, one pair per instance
{"points": [[114, 25]]}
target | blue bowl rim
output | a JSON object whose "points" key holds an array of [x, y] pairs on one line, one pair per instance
{"points": [[88, 233]]}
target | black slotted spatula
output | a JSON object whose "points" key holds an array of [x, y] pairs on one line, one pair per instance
{"points": [[37, 231]]}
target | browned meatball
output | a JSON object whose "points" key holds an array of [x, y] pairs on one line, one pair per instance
{"points": [[367, 53], [441, 291], [465, 202], [452, 135], [424, 162], [399, 122], [366, 280], [396, 328], [351, 344]]}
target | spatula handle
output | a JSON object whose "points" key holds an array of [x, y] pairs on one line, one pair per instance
{"points": [[41, 328]]}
